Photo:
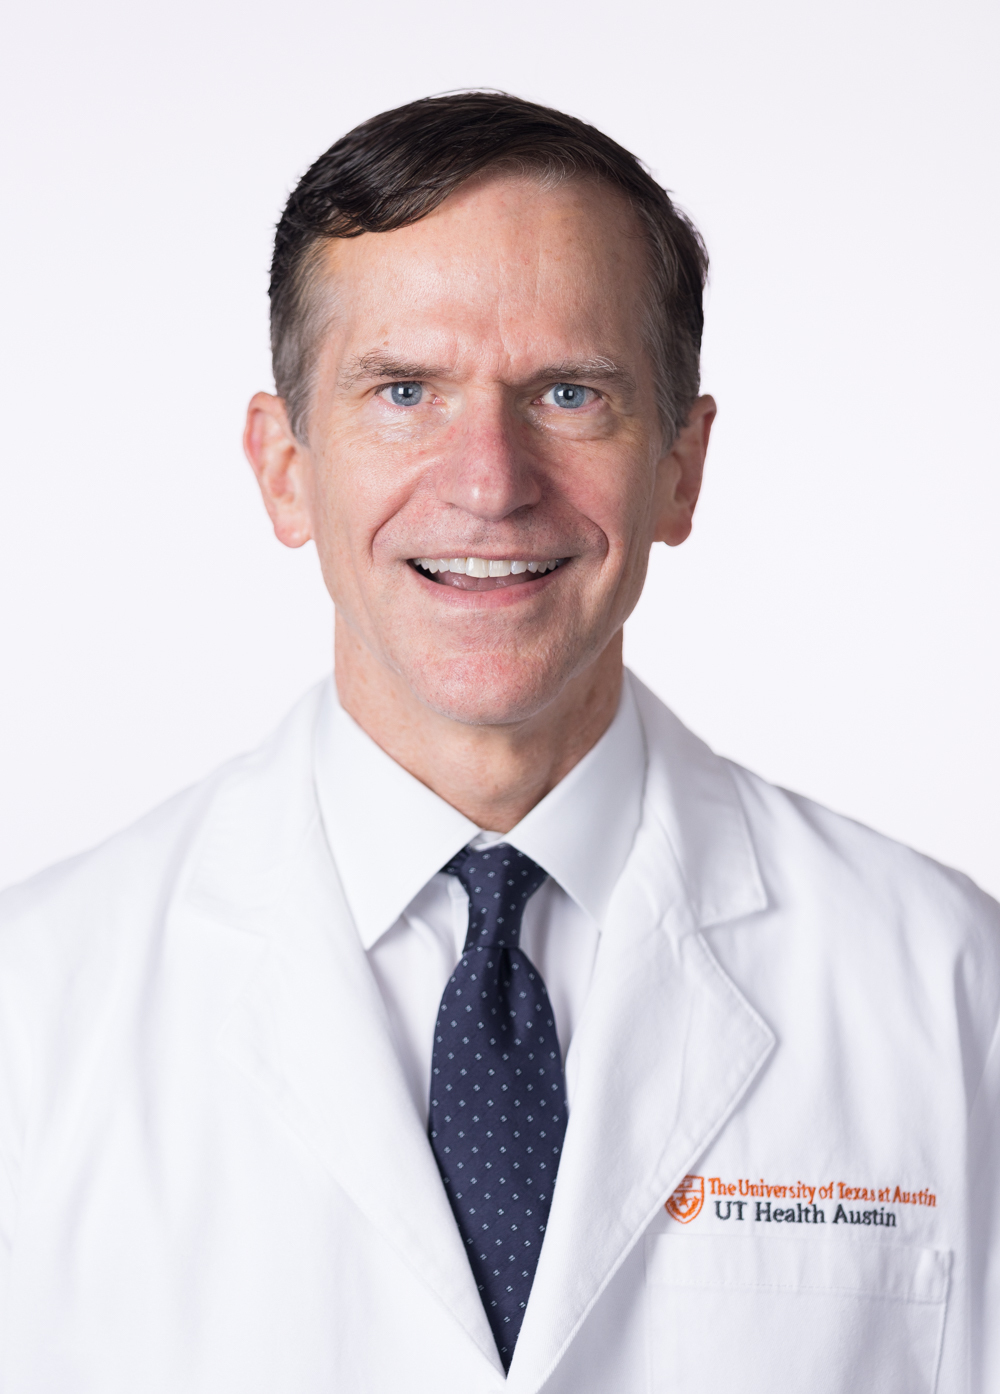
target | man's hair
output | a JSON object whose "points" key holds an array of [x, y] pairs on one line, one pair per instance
{"points": [[401, 165]]}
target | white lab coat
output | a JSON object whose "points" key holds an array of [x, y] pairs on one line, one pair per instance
{"points": [[213, 1179]]}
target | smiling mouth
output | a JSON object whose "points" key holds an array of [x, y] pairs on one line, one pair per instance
{"points": [[481, 573]]}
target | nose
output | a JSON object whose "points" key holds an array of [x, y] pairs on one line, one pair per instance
{"points": [[486, 471]]}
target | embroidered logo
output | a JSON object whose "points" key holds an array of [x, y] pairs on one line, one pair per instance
{"points": [[687, 1200], [767, 1201]]}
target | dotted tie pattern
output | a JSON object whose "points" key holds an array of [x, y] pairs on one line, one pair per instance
{"points": [[498, 1096]]}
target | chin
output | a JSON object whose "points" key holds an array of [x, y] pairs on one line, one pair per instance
{"points": [[491, 692]]}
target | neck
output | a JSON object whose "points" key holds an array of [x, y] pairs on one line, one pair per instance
{"points": [[494, 775]]}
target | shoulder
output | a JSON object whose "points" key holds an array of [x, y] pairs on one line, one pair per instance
{"points": [[91, 948], [905, 944], [802, 843], [67, 918], [66, 933], [902, 938], [831, 889], [795, 840]]}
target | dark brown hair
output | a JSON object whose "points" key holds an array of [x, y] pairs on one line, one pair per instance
{"points": [[399, 166]]}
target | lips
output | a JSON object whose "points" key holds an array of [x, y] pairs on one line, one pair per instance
{"points": [[481, 573]]}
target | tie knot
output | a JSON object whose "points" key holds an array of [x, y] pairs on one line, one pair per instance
{"points": [[499, 881]]}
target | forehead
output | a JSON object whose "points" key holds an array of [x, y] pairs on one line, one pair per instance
{"points": [[504, 268]]}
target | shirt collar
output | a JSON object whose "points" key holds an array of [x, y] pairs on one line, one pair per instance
{"points": [[583, 830], [389, 834]]}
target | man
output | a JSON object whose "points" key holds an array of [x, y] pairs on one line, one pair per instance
{"points": [[484, 1028]]}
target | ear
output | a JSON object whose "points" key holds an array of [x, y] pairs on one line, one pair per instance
{"points": [[679, 473], [282, 466]]}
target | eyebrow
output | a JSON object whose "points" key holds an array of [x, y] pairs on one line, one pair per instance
{"points": [[372, 366], [587, 370], [377, 366]]}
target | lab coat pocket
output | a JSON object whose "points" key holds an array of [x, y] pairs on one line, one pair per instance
{"points": [[745, 1315]]}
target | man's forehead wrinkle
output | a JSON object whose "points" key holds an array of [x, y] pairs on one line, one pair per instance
{"points": [[513, 308], [523, 293]]}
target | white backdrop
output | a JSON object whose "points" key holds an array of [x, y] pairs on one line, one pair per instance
{"points": [[833, 621]]}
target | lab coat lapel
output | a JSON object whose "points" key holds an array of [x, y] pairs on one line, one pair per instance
{"points": [[309, 1027], [667, 1044]]}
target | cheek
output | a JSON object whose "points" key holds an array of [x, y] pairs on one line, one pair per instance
{"points": [[618, 500], [363, 484]]}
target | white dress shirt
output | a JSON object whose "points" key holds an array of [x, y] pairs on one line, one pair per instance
{"points": [[390, 835]]}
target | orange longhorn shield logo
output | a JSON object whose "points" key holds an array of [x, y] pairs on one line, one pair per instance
{"points": [[687, 1200]]}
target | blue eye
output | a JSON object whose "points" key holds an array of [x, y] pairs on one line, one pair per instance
{"points": [[567, 394], [405, 394]]}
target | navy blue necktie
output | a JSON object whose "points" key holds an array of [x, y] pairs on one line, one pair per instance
{"points": [[498, 1097]]}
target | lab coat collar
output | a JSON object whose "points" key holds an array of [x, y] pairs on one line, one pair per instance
{"points": [[693, 796], [584, 828], [667, 1044], [366, 799], [308, 1027]]}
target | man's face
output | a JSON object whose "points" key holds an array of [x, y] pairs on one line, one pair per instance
{"points": [[483, 393]]}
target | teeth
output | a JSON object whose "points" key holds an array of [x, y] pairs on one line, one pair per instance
{"points": [[479, 566]]}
